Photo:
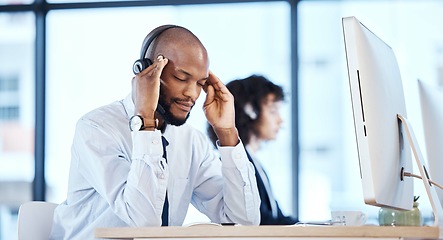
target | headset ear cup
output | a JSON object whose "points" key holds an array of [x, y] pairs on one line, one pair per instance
{"points": [[148, 62], [249, 110], [140, 65]]}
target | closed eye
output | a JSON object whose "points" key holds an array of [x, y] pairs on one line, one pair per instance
{"points": [[180, 79]]}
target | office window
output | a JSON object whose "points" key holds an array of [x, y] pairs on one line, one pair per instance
{"points": [[16, 117], [329, 167], [9, 84], [90, 57], [9, 2], [9, 98], [84, 1]]}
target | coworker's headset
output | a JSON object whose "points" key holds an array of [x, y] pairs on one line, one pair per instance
{"points": [[144, 62], [248, 109]]}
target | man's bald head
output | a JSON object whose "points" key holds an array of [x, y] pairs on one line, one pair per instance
{"points": [[174, 39]]}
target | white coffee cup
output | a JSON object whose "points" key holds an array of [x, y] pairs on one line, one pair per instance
{"points": [[348, 218]]}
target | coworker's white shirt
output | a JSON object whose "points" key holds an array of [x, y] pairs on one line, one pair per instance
{"points": [[116, 177]]}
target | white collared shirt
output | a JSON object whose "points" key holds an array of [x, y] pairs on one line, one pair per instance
{"points": [[117, 178]]}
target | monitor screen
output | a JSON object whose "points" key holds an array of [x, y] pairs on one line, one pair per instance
{"points": [[431, 99], [377, 97]]}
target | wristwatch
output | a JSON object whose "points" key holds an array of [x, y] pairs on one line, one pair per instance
{"points": [[138, 123]]}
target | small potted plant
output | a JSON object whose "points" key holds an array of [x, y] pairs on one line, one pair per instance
{"points": [[413, 217], [393, 217]]}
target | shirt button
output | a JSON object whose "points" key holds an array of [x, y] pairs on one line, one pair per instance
{"points": [[162, 176], [237, 155], [155, 141]]}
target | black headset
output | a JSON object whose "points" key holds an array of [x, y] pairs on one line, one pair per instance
{"points": [[144, 62]]}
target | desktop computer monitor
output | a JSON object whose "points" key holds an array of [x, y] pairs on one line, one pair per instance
{"points": [[431, 98], [377, 98]]}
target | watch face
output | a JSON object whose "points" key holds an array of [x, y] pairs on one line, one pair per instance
{"points": [[135, 123]]}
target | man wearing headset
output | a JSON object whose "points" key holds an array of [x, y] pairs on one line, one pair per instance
{"points": [[136, 159]]}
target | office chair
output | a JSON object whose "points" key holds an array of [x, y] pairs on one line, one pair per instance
{"points": [[35, 220]]}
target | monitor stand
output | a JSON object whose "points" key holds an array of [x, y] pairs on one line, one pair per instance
{"points": [[421, 164]]}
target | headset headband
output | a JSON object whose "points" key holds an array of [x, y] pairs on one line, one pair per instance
{"points": [[151, 36], [144, 60]]}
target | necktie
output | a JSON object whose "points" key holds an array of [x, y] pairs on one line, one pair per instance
{"points": [[166, 204]]}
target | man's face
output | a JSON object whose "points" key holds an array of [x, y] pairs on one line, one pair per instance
{"points": [[182, 80]]}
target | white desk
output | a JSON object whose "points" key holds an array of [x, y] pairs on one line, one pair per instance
{"points": [[270, 232]]}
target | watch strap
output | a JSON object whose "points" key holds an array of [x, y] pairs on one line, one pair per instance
{"points": [[149, 124]]}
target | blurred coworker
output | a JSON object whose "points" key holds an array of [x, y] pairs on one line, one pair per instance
{"points": [[257, 103]]}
